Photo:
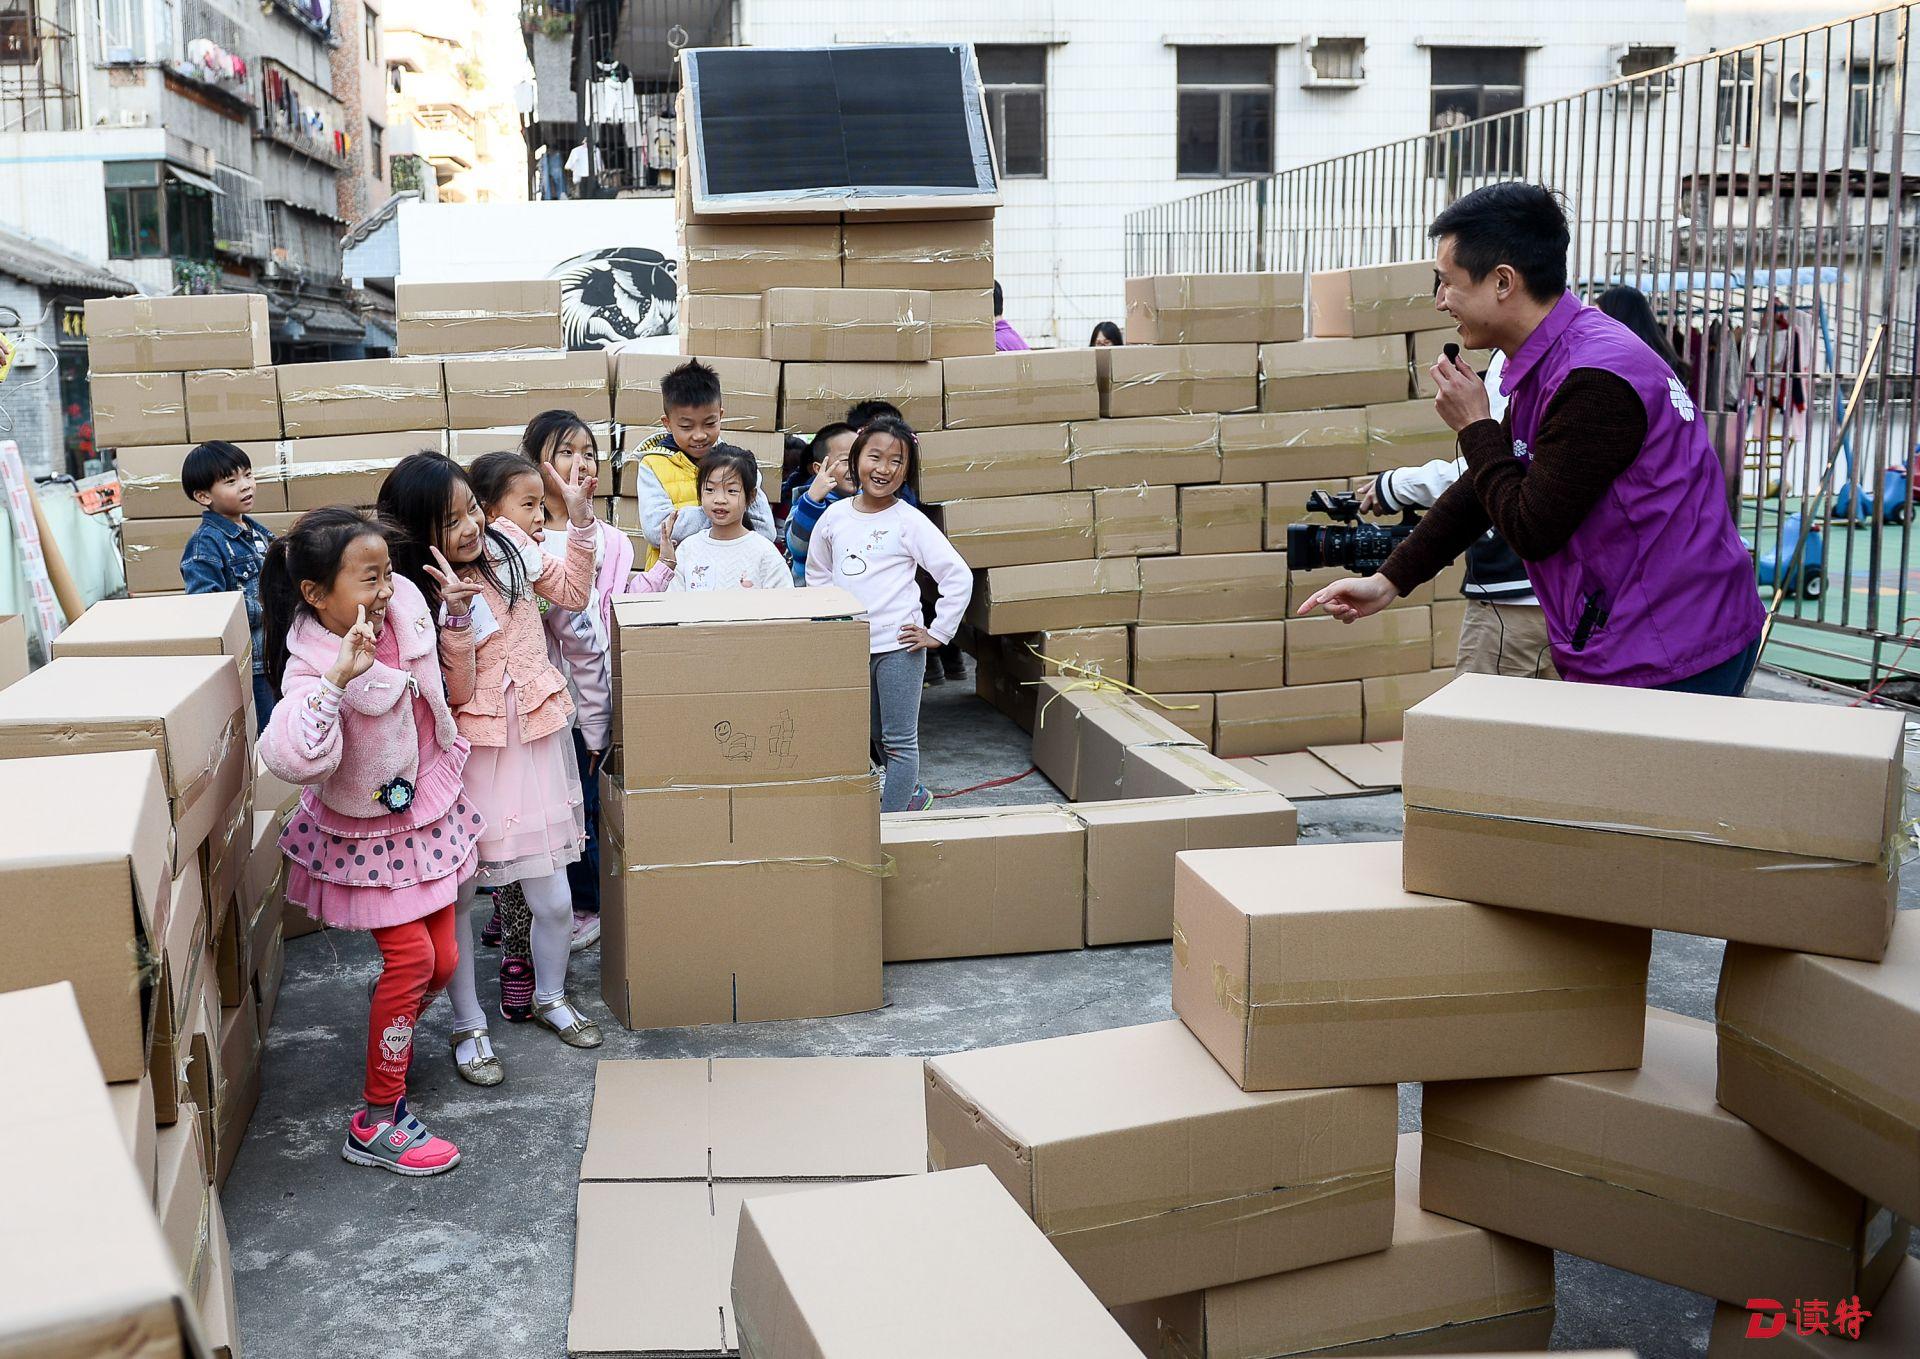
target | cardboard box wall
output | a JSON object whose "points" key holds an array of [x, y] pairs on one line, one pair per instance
{"points": [[1071, 652], [233, 404], [182, 1195], [1643, 1171], [848, 325], [73, 1194], [1001, 460], [1440, 1287], [1221, 519], [219, 1315], [1892, 1332], [984, 882], [363, 396], [1319, 446], [1285, 504], [1241, 587], [1214, 657], [1152, 1173], [1192, 713], [182, 974], [1177, 379], [1405, 434], [483, 317], [1136, 521], [467, 446], [177, 334], [816, 394], [191, 625], [1131, 847], [1168, 450], [1081, 733], [1309, 965], [901, 1266], [14, 661], [1386, 698], [1273, 721], [133, 1113], [1215, 308], [1379, 299], [240, 1044], [928, 255], [1011, 599], [1449, 615], [150, 481], [1324, 650], [725, 325], [510, 389], [756, 259], [749, 389], [152, 549], [1024, 387], [1817, 1053], [1321, 373], [1021, 530], [1427, 348], [138, 408], [962, 322], [348, 469], [1717, 813], [1176, 771]]}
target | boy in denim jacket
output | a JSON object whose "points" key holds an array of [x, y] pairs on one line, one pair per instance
{"points": [[226, 551]]}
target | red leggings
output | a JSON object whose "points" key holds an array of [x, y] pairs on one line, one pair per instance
{"points": [[419, 958]]}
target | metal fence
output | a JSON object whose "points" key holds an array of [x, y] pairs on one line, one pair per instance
{"points": [[1762, 198]]}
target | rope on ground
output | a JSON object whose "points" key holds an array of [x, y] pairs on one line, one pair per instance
{"points": [[990, 783]]}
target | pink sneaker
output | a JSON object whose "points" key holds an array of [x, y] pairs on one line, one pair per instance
{"points": [[400, 1144]]}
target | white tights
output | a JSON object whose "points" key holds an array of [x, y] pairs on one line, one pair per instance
{"points": [[550, 901]]}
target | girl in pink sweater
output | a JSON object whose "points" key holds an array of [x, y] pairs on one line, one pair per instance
{"points": [[383, 838], [511, 704]]}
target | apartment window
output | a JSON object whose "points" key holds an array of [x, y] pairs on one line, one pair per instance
{"points": [[1733, 115], [1339, 59], [1866, 100], [1468, 84], [377, 150], [152, 215], [1225, 123], [370, 34], [1016, 84], [1639, 60]]}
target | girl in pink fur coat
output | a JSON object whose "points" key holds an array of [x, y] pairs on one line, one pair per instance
{"points": [[383, 838]]}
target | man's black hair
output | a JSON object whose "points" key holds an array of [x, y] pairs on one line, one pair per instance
{"points": [[999, 300], [728, 458], [863, 413], [1520, 225], [691, 384], [210, 464]]}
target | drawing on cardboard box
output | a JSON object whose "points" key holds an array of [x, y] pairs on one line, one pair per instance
{"points": [[625, 292]]}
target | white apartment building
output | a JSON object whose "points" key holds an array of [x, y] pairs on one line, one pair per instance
{"points": [[1099, 108]]}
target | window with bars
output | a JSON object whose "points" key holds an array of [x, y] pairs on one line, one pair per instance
{"points": [[1015, 78], [151, 215], [1468, 84], [1225, 111], [1734, 108]]}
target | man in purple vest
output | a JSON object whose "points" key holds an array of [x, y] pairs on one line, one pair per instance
{"points": [[1600, 477]]}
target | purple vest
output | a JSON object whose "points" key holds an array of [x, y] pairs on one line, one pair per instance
{"points": [[1656, 585]]}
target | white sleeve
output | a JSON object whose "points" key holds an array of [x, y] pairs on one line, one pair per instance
{"points": [[773, 573], [820, 549], [1417, 487]]}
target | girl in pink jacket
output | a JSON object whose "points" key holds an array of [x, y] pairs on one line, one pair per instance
{"points": [[511, 704], [384, 838]]}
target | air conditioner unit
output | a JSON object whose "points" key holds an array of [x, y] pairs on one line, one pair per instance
{"points": [[1800, 87]]}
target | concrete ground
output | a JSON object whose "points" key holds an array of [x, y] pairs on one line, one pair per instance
{"points": [[332, 1259]]}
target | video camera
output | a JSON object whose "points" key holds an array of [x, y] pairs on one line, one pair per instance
{"points": [[1346, 543]]}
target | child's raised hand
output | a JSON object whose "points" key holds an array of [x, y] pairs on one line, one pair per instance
{"points": [[356, 653], [576, 490], [455, 593], [668, 548]]}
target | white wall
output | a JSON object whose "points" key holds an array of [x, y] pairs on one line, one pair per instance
{"points": [[1111, 101]]}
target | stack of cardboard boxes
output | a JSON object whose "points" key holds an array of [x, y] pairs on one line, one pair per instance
{"points": [[134, 872]]}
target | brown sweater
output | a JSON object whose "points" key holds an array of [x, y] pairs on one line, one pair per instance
{"points": [[1591, 433]]}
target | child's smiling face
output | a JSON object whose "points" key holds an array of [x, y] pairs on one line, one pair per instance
{"points": [[460, 530], [524, 504]]}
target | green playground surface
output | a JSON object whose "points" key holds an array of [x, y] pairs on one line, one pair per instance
{"points": [[1846, 601]]}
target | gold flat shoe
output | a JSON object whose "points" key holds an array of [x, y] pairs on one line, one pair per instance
{"points": [[582, 1033], [481, 1070]]}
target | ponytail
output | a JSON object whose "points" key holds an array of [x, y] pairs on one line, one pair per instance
{"points": [[279, 602]]}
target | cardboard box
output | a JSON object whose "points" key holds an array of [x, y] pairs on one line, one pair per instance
{"points": [[133, 1115], [182, 1195], [750, 389], [816, 394], [1217, 519], [1021, 530], [270, 792], [1450, 584], [1406, 434], [1177, 379], [927, 255], [1131, 848], [1192, 713], [266, 982], [1056, 595], [233, 404], [1321, 446], [902, 1266], [1817, 1054], [1386, 698], [1441, 1287], [1781, 1329], [477, 317], [1318, 374], [182, 972], [1152, 1173], [188, 710], [1694, 810], [348, 469], [969, 884], [1210, 656], [848, 325], [72, 1194], [1022, 387], [1379, 299], [14, 661], [1323, 650], [1275, 721], [219, 1315], [240, 1045], [680, 1145], [1426, 349], [363, 396], [1309, 965], [962, 323], [511, 389], [972, 464], [138, 408], [150, 481], [1449, 615], [725, 325], [757, 259], [177, 334], [1136, 521], [152, 549], [1643, 1171], [1167, 450], [1168, 309], [1238, 587], [1176, 771], [1081, 734], [468, 446], [1303, 585], [184, 625], [1074, 653]]}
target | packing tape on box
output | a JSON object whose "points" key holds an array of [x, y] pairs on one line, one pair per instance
{"points": [[1495, 1148], [1867, 1104], [1210, 444], [884, 869], [234, 730], [919, 253], [356, 391], [342, 467], [1342, 1191], [1213, 781], [1409, 1325], [511, 388], [736, 251], [1021, 396], [1348, 435], [1396, 437], [823, 309], [1234, 723], [1432, 995], [456, 317], [1229, 516]]}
